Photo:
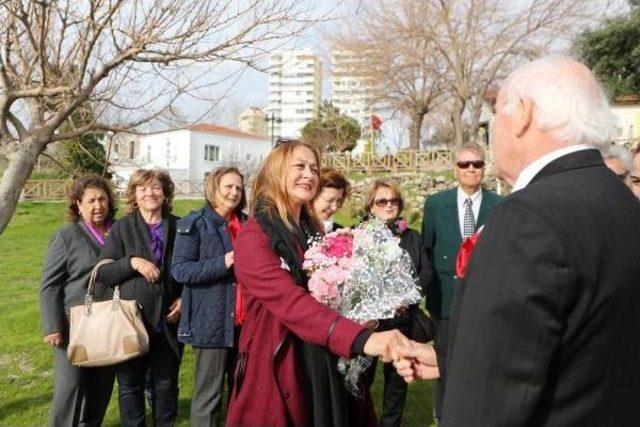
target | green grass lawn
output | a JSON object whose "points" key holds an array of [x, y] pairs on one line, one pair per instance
{"points": [[26, 365]]}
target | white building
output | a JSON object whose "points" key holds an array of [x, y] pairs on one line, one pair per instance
{"points": [[353, 91], [252, 120], [294, 90], [190, 153], [627, 112]]}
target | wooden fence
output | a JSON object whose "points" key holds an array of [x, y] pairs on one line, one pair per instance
{"points": [[404, 161], [56, 189]]}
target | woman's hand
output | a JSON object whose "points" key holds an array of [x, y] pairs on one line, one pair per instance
{"points": [[228, 259], [174, 311], [54, 339], [386, 345], [146, 268]]}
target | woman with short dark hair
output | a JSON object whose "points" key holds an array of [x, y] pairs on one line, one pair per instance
{"points": [[211, 299], [333, 189], [80, 395], [141, 245]]}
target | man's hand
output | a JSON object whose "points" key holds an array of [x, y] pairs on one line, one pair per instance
{"points": [[386, 345], [417, 361], [54, 340], [146, 268], [174, 311]]}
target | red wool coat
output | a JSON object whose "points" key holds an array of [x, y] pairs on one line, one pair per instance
{"points": [[269, 381]]}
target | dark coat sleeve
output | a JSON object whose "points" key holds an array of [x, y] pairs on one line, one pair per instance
{"points": [[187, 267], [53, 279], [114, 273], [509, 319], [419, 258]]}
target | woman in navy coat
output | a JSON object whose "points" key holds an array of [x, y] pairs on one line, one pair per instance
{"points": [[211, 303]]}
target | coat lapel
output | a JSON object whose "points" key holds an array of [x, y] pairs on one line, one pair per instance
{"points": [[143, 232], [452, 221], [484, 208]]}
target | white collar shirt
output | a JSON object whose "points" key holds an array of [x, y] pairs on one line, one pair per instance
{"points": [[476, 199], [529, 172]]}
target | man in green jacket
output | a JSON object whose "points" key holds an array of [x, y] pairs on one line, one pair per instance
{"points": [[450, 216]]}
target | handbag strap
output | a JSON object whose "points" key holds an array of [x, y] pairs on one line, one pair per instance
{"points": [[88, 297]]}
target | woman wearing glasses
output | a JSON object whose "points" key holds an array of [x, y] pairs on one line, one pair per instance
{"points": [[333, 189], [385, 202], [272, 373]]}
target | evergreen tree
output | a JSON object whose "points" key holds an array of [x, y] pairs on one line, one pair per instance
{"points": [[612, 51]]}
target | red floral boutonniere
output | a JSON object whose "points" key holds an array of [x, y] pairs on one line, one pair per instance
{"points": [[465, 252]]}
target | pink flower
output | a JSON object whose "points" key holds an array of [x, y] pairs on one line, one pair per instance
{"points": [[338, 246]]}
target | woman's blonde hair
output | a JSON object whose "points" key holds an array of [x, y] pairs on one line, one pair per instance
{"points": [[379, 183], [270, 186], [213, 182], [145, 176]]}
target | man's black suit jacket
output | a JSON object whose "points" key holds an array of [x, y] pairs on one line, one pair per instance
{"points": [[547, 323]]}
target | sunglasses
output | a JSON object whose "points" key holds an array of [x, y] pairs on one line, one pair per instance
{"points": [[477, 164], [384, 202]]}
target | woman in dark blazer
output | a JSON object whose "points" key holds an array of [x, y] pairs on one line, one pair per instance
{"points": [[80, 395], [384, 201], [141, 244], [333, 190], [211, 300]]}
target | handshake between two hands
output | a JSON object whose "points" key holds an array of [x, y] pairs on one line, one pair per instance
{"points": [[411, 359]]}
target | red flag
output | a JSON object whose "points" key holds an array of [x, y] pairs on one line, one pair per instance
{"points": [[376, 122]]}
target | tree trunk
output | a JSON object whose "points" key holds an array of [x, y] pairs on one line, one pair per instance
{"points": [[456, 119], [20, 165], [415, 128]]}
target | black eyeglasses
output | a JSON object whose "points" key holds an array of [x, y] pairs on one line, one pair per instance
{"points": [[384, 202], [477, 164]]}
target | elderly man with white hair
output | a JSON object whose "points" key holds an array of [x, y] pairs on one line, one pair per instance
{"points": [[546, 323]]}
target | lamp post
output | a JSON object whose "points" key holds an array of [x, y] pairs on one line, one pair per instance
{"points": [[271, 119]]}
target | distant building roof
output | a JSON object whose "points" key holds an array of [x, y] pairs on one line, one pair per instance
{"points": [[221, 130]]}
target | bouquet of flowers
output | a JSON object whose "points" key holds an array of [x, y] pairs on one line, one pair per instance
{"points": [[363, 274]]}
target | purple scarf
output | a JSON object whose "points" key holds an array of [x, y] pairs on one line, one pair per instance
{"points": [[157, 245]]}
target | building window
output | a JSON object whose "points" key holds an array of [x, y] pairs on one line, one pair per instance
{"points": [[168, 153], [132, 149], [212, 153], [148, 153]]}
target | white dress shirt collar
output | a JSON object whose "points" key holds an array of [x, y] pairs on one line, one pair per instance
{"points": [[529, 172]]}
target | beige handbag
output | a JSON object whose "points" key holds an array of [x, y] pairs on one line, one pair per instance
{"points": [[105, 333]]}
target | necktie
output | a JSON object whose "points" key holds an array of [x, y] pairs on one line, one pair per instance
{"points": [[469, 222]]}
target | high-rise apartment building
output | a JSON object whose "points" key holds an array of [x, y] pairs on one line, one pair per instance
{"points": [[353, 90], [253, 121], [294, 91]]}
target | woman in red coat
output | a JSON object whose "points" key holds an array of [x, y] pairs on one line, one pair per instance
{"points": [[281, 317]]}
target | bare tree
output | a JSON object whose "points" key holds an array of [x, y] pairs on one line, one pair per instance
{"points": [[399, 63], [479, 41], [127, 62]]}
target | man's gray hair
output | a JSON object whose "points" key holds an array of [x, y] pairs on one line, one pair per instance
{"points": [[613, 151], [570, 107], [471, 146]]}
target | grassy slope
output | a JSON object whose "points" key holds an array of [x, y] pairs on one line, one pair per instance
{"points": [[26, 382]]}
